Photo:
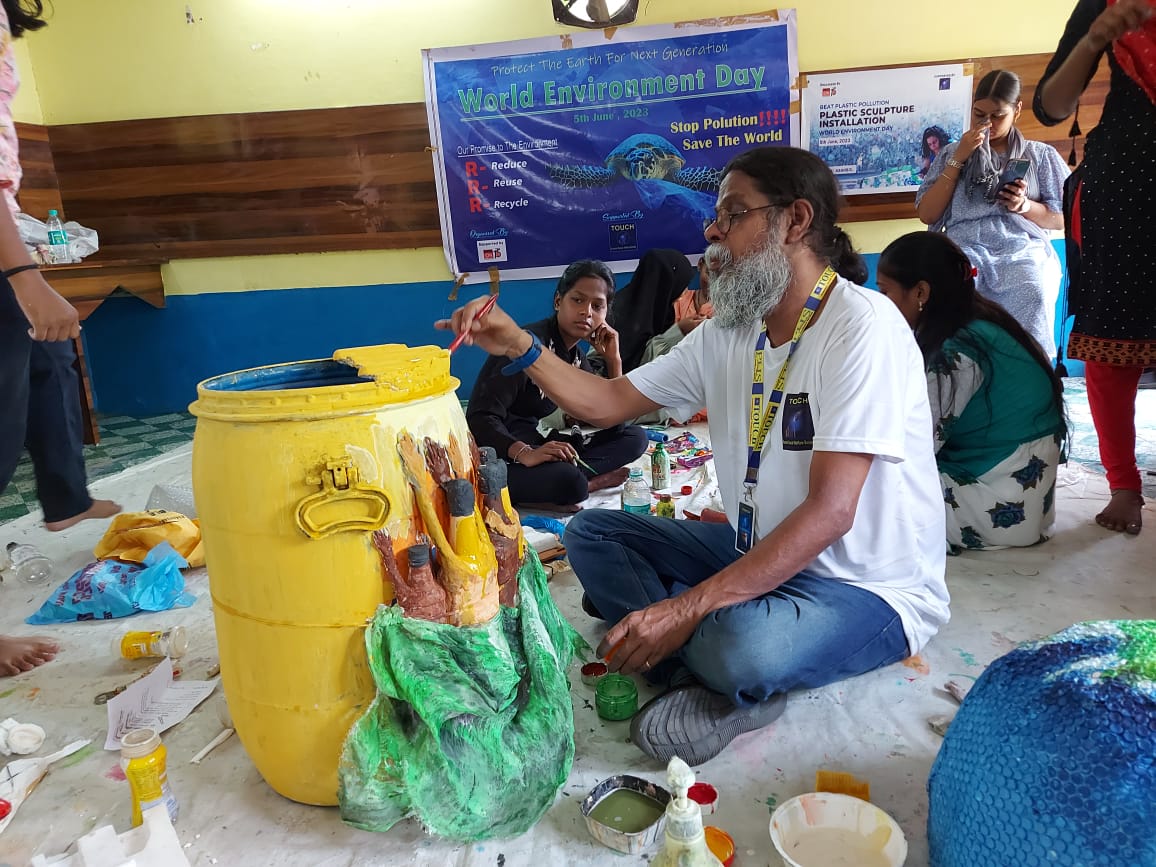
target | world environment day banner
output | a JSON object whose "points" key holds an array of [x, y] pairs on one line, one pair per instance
{"points": [[551, 150], [879, 130]]}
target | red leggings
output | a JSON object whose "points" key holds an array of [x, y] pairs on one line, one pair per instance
{"points": [[1112, 398]]}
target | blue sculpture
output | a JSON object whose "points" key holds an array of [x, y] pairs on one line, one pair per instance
{"points": [[1051, 761]]}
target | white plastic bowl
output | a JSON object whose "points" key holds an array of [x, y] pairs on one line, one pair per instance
{"points": [[821, 829]]}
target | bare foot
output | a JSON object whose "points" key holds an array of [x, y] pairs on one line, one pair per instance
{"points": [[612, 479], [18, 655], [98, 509], [1123, 513]]}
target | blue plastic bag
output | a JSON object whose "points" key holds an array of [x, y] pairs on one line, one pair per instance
{"points": [[546, 525], [109, 589]]}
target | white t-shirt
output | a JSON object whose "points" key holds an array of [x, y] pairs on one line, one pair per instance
{"points": [[856, 384]]}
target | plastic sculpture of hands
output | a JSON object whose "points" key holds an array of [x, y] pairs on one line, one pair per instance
{"points": [[468, 566]]}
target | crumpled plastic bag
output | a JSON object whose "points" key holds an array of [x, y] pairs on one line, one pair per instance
{"points": [[133, 534], [109, 589], [82, 241], [472, 730]]}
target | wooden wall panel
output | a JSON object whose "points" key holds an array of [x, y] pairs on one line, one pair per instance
{"points": [[40, 189], [246, 184], [1030, 68], [309, 181]]}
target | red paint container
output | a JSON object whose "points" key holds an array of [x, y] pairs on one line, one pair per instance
{"points": [[705, 795], [592, 672]]}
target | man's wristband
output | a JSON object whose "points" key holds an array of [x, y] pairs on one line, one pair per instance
{"points": [[527, 358]]}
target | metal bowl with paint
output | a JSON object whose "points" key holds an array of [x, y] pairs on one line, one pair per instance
{"points": [[625, 813], [822, 829]]}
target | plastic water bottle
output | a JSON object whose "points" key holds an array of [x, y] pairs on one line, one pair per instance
{"points": [[636, 493], [660, 467], [28, 564], [57, 240]]}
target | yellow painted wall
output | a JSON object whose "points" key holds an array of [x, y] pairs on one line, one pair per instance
{"points": [[121, 59], [26, 107]]}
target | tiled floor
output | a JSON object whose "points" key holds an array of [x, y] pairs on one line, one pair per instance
{"points": [[124, 442], [1085, 448]]}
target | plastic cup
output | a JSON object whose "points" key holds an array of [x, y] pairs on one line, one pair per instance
{"points": [[822, 829]]}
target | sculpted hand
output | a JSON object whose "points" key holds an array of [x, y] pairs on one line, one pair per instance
{"points": [[495, 332], [642, 639], [1118, 19]]}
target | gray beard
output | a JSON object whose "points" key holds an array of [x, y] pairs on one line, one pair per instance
{"points": [[745, 290]]}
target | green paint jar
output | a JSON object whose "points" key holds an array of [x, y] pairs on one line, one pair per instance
{"points": [[616, 697]]}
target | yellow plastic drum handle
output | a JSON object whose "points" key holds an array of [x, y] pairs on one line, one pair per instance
{"points": [[344, 504]]}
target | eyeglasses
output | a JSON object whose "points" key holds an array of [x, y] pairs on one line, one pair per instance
{"points": [[725, 219]]}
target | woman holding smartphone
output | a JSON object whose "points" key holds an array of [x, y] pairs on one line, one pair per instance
{"points": [[1002, 224], [1111, 227]]}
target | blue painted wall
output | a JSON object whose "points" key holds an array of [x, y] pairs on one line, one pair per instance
{"points": [[145, 361]]}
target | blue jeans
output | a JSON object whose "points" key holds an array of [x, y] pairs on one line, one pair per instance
{"points": [[806, 633]]}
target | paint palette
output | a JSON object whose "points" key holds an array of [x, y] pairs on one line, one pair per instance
{"points": [[822, 829]]}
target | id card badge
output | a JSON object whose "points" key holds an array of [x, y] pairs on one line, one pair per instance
{"points": [[745, 532]]}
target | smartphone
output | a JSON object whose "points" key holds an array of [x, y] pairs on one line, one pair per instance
{"points": [[1015, 170]]}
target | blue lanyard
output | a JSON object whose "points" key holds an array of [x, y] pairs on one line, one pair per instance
{"points": [[760, 421]]}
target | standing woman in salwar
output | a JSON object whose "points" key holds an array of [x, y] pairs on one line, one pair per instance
{"points": [[1004, 230], [1112, 227], [996, 401]]}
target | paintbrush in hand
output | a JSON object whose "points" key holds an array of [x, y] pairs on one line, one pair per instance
{"points": [[486, 308], [579, 462]]}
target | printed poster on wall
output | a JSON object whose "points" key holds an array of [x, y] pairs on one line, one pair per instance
{"points": [[879, 130], [556, 149]]}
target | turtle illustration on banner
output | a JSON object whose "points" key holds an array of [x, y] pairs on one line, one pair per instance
{"points": [[640, 158]]}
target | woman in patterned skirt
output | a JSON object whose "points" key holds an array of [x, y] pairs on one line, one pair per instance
{"points": [[1112, 227], [996, 402]]}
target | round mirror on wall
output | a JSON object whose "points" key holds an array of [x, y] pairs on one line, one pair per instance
{"points": [[595, 13]]}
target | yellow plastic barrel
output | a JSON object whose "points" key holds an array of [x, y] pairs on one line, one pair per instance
{"points": [[294, 467]]}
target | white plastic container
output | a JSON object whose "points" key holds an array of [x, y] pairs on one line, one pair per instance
{"points": [[152, 844], [821, 829]]}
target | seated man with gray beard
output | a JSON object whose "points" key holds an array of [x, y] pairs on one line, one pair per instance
{"points": [[833, 561]]}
